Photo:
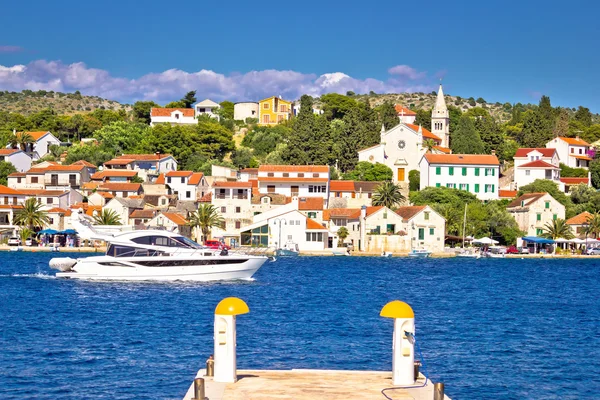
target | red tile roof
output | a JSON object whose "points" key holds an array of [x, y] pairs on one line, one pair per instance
{"points": [[196, 178], [143, 214], [57, 168], [538, 164], [462, 159], [11, 206], [166, 112], [60, 211], [282, 179], [207, 198], [251, 171], [349, 213], [119, 161], [8, 152], [293, 168], [581, 157], [574, 181], [120, 187], [35, 135], [227, 184], [314, 225], [42, 192], [444, 150], [83, 162], [7, 190], [17, 175], [574, 141], [179, 173], [426, 134], [507, 194], [407, 212], [579, 219], [310, 203], [160, 180], [400, 109], [125, 173], [176, 218], [546, 152], [527, 198], [341, 186]]}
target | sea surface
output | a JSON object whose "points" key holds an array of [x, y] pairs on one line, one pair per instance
{"points": [[488, 329]]}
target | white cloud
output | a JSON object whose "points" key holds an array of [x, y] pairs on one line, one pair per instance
{"points": [[173, 83]]}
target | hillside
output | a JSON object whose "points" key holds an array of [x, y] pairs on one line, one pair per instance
{"points": [[29, 102]]}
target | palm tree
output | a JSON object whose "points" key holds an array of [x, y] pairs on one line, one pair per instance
{"points": [[205, 218], [428, 145], [556, 229], [31, 215], [593, 223], [24, 140], [342, 234], [388, 194], [107, 217], [25, 234]]}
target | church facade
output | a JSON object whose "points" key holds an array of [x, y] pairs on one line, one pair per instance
{"points": [[402, 147]]}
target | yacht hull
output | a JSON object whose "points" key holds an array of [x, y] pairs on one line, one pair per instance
{"points": [[203, 269]]}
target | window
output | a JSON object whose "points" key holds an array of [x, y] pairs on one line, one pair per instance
{"points": [[317, 189], [463, 186], [266, 200], [300, 174], [182, 180], [283, 108], [34, 179], [270, 174], [238, 224], [572, 150], [169, 179], [421, 233], [271, 189], [280, 118], [384, 215], [223, 209], [286, 174], [49, 200], [464, 171], [266, 106], [432, 231], [5, 199], [477, 188], [339, 221], [315, 175], [477, 171], [451, 185], [437, 185], [18, 180], [438, 170], [201, 109], [266, 119], [489, 188], [527, 172], [312, 214], [188, 194], [163, 202], [547, 204], [522, 203], [426, 215], [580, 151], [314, 236], [176, 116], [450, 171], [238, 210], [539, 231], [538, 217]]}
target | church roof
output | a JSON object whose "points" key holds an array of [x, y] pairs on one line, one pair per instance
{"points": [[440, 104], [426, 133], [401, 110]]}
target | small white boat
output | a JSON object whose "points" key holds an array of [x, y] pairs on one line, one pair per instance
{"points": [[495, 252], [420, 253], [386, 254], [289, 250], [468, 254], [340, 252]]}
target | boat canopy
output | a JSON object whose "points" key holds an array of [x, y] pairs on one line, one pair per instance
{"points": [[537, 240]]}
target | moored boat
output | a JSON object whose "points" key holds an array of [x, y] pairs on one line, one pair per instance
{"points": [[421, 253]]}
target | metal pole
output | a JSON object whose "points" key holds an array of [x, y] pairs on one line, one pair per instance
{"points": [[438, 391], [199, 389]]}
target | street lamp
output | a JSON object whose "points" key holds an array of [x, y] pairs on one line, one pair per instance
{"points": [[279, 220]]}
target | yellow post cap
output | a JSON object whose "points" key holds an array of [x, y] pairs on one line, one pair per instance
{"points": [[397, 309], [232, 306]]}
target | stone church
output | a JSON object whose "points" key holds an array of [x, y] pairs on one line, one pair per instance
{"points": [[402, 147]]}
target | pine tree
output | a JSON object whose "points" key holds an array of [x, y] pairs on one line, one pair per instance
{"points": [[298, 149], [423, 119], [584, 116], [561, 125], [465, 139], [388, 115], [491, 135], [533, 133]]}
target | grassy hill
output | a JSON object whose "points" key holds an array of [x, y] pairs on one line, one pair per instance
{"points": [[29, 102]]}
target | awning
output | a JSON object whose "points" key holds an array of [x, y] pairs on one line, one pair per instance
{"points": [[48, 232], [485, 240], [68, 232], [537, 240], [582, 157]]}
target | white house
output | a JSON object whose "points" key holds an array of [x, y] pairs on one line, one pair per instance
{"points": [[171, 222], [571, 151], [475, 173], [536, 163], [533, 211], [351, 194], [42, 140], [187, 185], [114, 175], [294, 180], [245, 110], [17, 157], [54, 198], [148, 166], [51, 176], [206, 107], [118, 189], [426, 229], [233, 201], [124, 207], [177, 116]]}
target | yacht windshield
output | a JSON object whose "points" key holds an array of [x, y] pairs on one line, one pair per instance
{"points": [[177, 241], [185, 242]]}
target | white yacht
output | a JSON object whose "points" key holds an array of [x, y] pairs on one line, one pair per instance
{"points": [[154, 255]]}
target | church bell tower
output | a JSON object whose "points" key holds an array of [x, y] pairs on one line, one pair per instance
{"points": [[440, 119]]}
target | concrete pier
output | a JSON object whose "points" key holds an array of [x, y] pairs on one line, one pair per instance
{"points": [[308, 384]]}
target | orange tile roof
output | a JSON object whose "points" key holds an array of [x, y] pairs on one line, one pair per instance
{"points": [[127, 173], [507, 194], [314, 225], [86, 163], [581, 157], [293, 168], [90, 185], [106, 195], [8, 152], [42, 192], [179, 173], [227, 184], [580, 219], [574, 141], [119, 161], [407, 212], [528, 198], [143, 214], [426, 134], [400, 109], [574, 181], [282, 179], [251, 171], [462, 159], [57, 168], [443, 149], [7, 190], [196, 178], [160, 180], [166, 112], [35, 135], [538, 164], [17, 175], [143, 157], [350, 213], [546, 152], [11, 206], [207, 198], [60, 211], [120, 187], [176, 218], [310, 203], [341, 186]]}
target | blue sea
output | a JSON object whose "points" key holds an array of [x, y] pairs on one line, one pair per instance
{"points": [[488, 329]]}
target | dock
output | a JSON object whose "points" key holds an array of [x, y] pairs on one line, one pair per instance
{"points": [[310, 384]]}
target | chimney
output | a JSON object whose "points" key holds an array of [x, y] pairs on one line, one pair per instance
{"points": [[493, 152], [15, 132], [577, 137]]}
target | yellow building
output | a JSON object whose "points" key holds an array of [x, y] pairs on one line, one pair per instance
{"points": [[273, 110]]}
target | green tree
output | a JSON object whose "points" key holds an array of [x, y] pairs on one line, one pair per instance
{"points": [[107, 217], [366, 171], [264, 139], [121, 136], [141, 110], [584, 116], [423, 119], [388, 117], [226, 109], [205, 218], [24, 141], [388, 194], [570, 172], [429, 145], [336, 106], [557, 229], [342, 234], [189, 99], [561, 125], [414, 180], [91, 153], [242, 157], [546, 186], [32, 215], [137, 179], [176, 104], [466, 139], [595, 172], [26, 233], [534, 132], [593, 228], [6, 169]]}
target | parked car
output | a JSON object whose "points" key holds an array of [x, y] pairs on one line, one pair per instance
{"points": [[30, 242], [512, 250], [594, 251], [215, 244], [524, 250], [14, 241]]}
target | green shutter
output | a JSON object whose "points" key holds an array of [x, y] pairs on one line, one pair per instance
{"points": [[477, 171], [432, 231], [485, 188], [451, 170], [493, 171], [464, 171], [438, 170], [477, 188], [539, 217], [467, 187], [421, 233], [493, 187], [547, 204], [555, 217], [437, 185], [486, 171]]}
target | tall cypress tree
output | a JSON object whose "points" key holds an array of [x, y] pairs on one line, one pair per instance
{"points": [[387, 115], [298, 151], [534, 132], [490, 134], [465, 139]]}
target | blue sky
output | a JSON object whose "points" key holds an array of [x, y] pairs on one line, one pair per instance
{"points": [[125, 50]]}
